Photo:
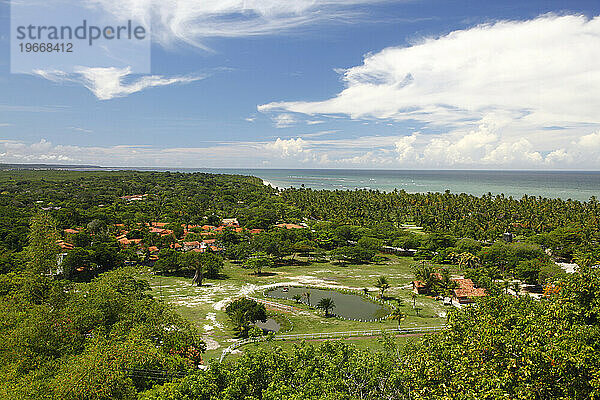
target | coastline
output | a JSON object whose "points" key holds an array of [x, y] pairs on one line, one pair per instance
{"points": [[267, 183]]}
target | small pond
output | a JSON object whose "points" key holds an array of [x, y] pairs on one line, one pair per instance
{"points": [[349, 306], [270, 325]]}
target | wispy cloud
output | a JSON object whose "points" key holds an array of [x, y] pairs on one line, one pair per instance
{"points": [[78, 129], [33, 109], [109, 83], [193, 21], [284, 120]]}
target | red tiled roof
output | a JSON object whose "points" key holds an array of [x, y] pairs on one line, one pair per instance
{"points": [[64, 245], [124, 241], [290, 226], [69, 230], [152, 249], [466, 288]]}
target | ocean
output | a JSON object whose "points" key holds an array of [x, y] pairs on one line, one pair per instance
{"points": [[576, 185]]}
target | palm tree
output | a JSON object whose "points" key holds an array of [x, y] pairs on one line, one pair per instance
{"points": [[414, 299], [383, 284], [297, 298], [307, 295], [326, 304], [446, 284], [426, 274], [468, 260], [397, 315]]}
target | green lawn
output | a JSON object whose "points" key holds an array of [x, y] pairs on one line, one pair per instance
{"points": [[204, 306], [364, 343]]}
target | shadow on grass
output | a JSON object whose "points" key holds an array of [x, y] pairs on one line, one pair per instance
{"points": [[263, 274]]}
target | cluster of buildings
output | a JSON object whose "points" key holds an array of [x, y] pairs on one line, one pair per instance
{"points": [[209, 234]]}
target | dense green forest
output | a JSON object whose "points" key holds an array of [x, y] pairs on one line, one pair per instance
{"points": [[91, 329]]}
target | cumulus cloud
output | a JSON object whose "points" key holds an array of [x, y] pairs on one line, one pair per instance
{"points": [[193, 21], [287, 147], [109, 83], [542, 70], [404, 147], [472, 149], [493, 89]]}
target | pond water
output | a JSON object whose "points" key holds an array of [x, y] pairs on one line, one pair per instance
{"points": [[270, 325], [349, 306]]}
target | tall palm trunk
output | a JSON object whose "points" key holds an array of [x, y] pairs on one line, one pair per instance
{"points": [[198, 276]]}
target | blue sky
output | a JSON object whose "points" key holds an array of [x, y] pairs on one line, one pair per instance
{"points": [[328, 84]]}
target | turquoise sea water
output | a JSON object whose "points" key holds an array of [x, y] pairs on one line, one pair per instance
{"points": [[574, 185]]}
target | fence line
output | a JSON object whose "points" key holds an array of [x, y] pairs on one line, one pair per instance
{"points": [[331, 335]]}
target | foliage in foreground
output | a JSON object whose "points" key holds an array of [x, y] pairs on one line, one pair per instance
{"points": [[66, 342]]}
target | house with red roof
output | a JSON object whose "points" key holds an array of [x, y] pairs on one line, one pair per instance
{"points": [[290, 226], [466, 292]]}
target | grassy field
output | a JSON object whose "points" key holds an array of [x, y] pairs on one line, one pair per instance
{"points": [[205, 305], [364, 343]]}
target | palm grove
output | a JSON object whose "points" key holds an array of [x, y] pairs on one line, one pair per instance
{"points": [[92, 330]]}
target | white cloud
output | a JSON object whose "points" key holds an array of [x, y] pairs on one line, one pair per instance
{"points": [[523, 67], [109, 83], [284, 120], [192, 21], [78, 129], [590, 142], [507, 153], [472, 149], [287, 148], [494, 89], [558, 157], [404, 147]]}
